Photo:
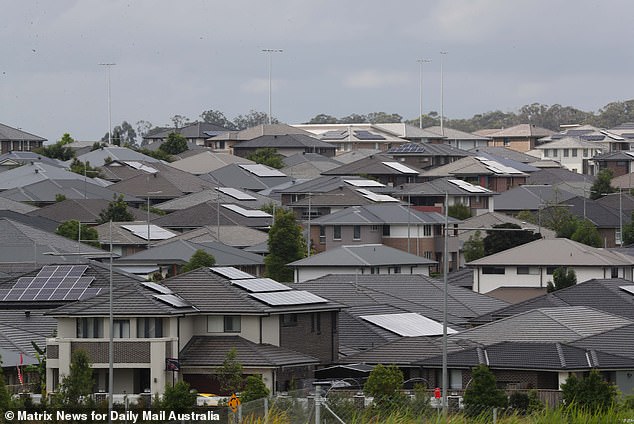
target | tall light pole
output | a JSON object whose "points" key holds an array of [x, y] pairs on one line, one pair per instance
{"points": [[442, 95], [308, 239], [108, 66], [445, 264], [420, 86], [270, 53]]}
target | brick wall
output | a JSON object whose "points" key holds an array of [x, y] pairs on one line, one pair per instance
{"points": [[306, 337], [124, 353]]}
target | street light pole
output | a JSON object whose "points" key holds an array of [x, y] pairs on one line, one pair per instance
{"points": [[111, 339], [108, 66], [442, 95], [270, 53], [308, 239], [444, 310], [420, 85]]}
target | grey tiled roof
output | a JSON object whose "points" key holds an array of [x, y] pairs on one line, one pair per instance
{"points": [[98, 157], [32, 173], [195, 130], [378, 214], [619, 341], [465, 167], [554, 176], [260, 130], [530, 198], [211, 195], [504, 153], [362, 255], [232, 235], [427, 149], [45, 191], [437, 187], [371, 165], [489, 219], [15, 206], [17, 331], [234, 176], [300, 158], [84, 210], [205, 161], [211, 351], [284, 141], [452, 134], [207, 214], [10, 133], [522, 130]]}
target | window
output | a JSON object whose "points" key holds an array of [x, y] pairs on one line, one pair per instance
{"points": [[523, 270], [322, 234], [506, 140], [574, 152], [356, 232], [428, 254], [555, 152], [585, 153], [493, 270], [551, 269], [289, 320], [394, 270], [615, 272], [224, 324], [147, 328], [617, 237], [315, 322], [427, 230], [386, 230], [374, 228], [89, 328], [121, 328], [336, 232], [566, 152], [546, 152]]}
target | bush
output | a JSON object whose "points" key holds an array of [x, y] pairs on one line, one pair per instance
{"points": [[179, 398], [483, 394], [384, 384], [591, 393], [254, 389]]}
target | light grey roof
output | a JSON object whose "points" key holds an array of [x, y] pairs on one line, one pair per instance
{"points": [[260, 130], [304, 157], [553, 176], [237, 177], [86, 211], [206, 161], [489, 219], [440, 186], [505, 153], [99, 156], [46, 191], [12, 205], [10, 133], [522, 130], [568, 142], [17, 157], [530, 197], [355, 155], [207, 214], [328, 183], [123, 236], [298, 141], [473, 166], [211, 195], [588, 133], [232, 235], [32, 173], [362, 255], [452, 134], [619, 341], [309, 169], [375, 165], [556, 252], [381, 214], [406, 131]]}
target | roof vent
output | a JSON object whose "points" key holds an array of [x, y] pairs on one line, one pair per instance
{"points": [[37, 171]]}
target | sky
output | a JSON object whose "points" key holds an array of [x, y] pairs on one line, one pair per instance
{"points": [[339, 57]]}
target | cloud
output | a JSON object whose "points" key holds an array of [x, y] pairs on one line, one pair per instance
{"points": [[372, 78]]}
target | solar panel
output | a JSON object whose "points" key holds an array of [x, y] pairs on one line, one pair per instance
{"points": [[407, 324], [235, 193], [364, 183], [400, 167], [471, 188], [172, 300], [291, 297], [367, 135], [231, 272], [334, 135], [88, 293], [261, 170], [249, 213], [629, 289], [140, 166], [260, 285], [23, 282], [157, 287], [376, 197], [156, 232]]}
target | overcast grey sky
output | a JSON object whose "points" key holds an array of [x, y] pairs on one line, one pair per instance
{"points": [[340, 57]]}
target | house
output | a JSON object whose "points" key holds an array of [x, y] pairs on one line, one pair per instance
{"points": [[360, 259], [193, 320], [532, 264], [394, 225], [307, 166], [521, 138], [196, 133], [431, 195], [459, 139], [254, 177], [533, 198], [351, 137], [244, 198], [619, 162], [206, 161], [380, 167], [573, 153], [129, 237], [226, 140], [15, 139], [562, 179], [299, 190], [481, 171], [285, 145], [604, 140], [426, 155]]}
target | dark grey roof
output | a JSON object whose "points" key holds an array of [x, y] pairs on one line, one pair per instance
{"points": [[260, 130], [84, 210], [519, 165], [211, 351], [362, 255], [213, 195], [14, 206], [504, 153], [300, 158], [23, 157], [378, 214], [232, 235], [553, 176], [195, 130], [619, 341], [181, 251], [343, 196], [235, 176], [207, 214], [14, 134], [46, 191], [39, 222], [530, 197], [426, 149], [18, 330], [623, 200], [438, 187], [32, 173], [107, 153], [296, 141], [461, 278], [600, 215], [328, 183], [403, 351], [372, 165]]}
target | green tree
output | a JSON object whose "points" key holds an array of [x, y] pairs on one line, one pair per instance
{"points": [[79, 382], [59, 197], [591, 393], [628, 232], [229, 374], [216, 117], [70, 230], [286, 244], [199, 259], [385, 384], [459, 211], [156, 154], [175, 144], [562, 278], [383, 118], [254, 388], [179, 398], [117, 211], [252, 119], [323, 119], [587, 233], [59, 150], [84, 168], [179, 121], [602, 184], [498, 240], [267, 156], [5, 396], [39, 368], [474, 247], [482, 393]]}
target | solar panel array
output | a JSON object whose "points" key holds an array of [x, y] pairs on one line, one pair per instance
{"points": [[334, 135], [497, 167], [52, 283], [364, 183], [291, 297], [231, 273], [409, 148], [166, 295], [400, 167], [235, 193], [408, 324], [260, 285], [367, 135], [261, 170], [471, 188], [156, 232], [249, 213], [376, 197]]}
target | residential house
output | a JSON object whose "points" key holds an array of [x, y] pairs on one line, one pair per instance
{"points": [[625, 130], [394, 225], [360, 259], [382, 168], [573, 153], [533, 264], [479, 171], [129, 237], [206, 161], [87, 211], [254, 177], [226, 140], [35, 172], [605, 140], [285, 145], [12, 139], [351, 137], [244, 198], [459, 139], [193, 320], [308, 166], [562, 179], [619, 162], [426, 155], [237, 236], [521, 138], [533, 198], [197, 132], [14, 159]]}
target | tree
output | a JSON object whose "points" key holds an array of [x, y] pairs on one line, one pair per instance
{"points": [[602, 184], [383, 118], [156, 154], [229, 374], [323, 119], [354, 119], [179, 121], [39, 368], [459, 211], [254, 388], [628, 232], [286, 244], [499, 240], [117, 211], [482, 393], [5, 396], [84, 168], [216, 117], [562, 278], [474, 247], [175, 144], [70, 230], [591, 393], [79, 382], [587, 233], [179, 398], [59, 150], [252, 119], [384, 384], [199, 259], [267, 156], [143, 128]]}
